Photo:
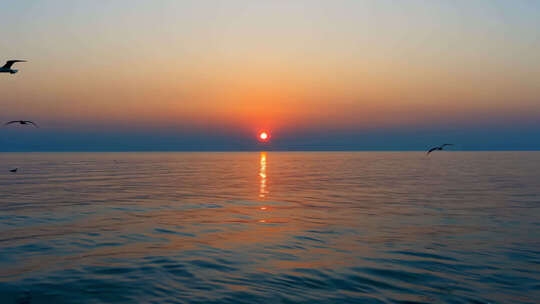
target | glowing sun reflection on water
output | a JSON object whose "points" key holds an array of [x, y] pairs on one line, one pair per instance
{"points": [[262, 173]]}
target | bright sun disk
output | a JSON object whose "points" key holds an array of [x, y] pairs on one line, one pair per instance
{"points": [[263, 136]]}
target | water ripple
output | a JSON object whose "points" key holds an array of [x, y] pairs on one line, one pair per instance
{"points": [[314, 228]]}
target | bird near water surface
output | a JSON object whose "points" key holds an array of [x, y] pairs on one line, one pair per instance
{"points": [[6, 68], [14, 170], [438, 148]]}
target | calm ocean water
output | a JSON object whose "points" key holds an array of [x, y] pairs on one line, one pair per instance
{"points": [[301, 227]]}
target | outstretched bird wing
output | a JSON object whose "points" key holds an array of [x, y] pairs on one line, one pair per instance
{"points": [[11, 122], [444, 145], [35, 125], [431, 150], [9, 63]]}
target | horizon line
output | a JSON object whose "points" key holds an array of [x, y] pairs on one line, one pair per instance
{"points": [[264, 150]]}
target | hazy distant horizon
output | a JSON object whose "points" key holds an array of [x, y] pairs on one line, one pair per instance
{"points": [[492, 138], [256, 150]]}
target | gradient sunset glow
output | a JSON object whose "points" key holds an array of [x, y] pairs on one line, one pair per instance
{"points": [[325, 74]]}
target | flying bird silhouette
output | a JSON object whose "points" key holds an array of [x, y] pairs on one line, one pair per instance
{"points": [[439, 148], [14, 170], [7, 67], [22, 122]]}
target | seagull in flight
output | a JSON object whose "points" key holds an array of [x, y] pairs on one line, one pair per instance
{"points": [[439, 148], [14, 170], [22, 122], [7, 67]]}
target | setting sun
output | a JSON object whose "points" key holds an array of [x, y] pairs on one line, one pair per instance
{"points": [[263, 136]]}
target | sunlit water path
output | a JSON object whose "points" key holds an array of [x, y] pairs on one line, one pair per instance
{"points": [[270, 227]]}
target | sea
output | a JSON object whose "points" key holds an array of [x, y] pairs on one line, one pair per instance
{"points": [[270, 227]]}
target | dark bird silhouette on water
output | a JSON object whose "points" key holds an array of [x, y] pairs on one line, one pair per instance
{"points": [[22, 122], [7, 67], [439, 148], [14, 170]]}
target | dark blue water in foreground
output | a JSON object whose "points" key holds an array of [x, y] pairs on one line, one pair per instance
{"points": [[366, 227]]}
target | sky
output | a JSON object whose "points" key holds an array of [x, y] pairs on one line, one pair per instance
{"points": [[318, 75]]}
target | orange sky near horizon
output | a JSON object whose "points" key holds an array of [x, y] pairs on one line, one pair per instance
{"points": [[252, 65]]}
